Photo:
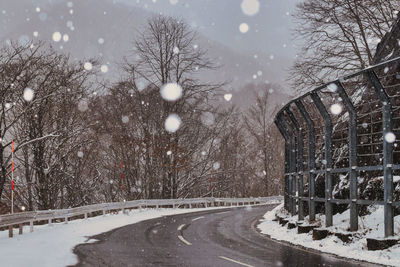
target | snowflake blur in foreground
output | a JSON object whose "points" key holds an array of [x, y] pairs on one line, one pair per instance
{"points": [[28, 94], [390, 137], [125, 119], [83, 105], [250, 7], [169, 152], [172, 123], [56, 36], [171, 91], [104, 68], [243, 28], [332, 87], [228, 97], [336, 109], [80, 154], [176, 50], [88, 66], [65, 37], [216, 165], [207, 118], [173, 2]]}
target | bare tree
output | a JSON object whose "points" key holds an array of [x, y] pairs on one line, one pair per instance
{"points": [[166, 53], [339, 36]]}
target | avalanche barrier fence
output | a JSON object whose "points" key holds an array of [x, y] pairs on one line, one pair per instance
{"points": [[340, 140]]}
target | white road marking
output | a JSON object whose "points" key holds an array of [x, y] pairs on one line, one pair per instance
{"points": [[222, 212], [184, 240], [198, 218], [181, 227], [235, 261]]}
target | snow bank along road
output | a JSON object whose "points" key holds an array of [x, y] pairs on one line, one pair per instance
{"points": [[223, 237]]}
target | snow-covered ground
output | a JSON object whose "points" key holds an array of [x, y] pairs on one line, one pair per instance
{"points": [[52, 245], [370, 226]]}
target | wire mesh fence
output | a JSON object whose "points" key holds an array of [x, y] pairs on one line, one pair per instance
{"points": [[341, 150]]}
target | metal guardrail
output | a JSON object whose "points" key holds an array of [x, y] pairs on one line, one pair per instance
{"points": [[30, 217], [341, 128]]}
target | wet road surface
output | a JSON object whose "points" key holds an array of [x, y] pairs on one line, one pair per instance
{"points": [[224, 237]]}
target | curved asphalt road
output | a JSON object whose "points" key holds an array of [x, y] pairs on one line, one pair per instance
{"points": [[224, 237]]}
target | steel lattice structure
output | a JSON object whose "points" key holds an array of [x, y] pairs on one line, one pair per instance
{"points": [[346, 146]]}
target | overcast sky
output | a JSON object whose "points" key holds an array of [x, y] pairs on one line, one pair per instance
{"points": [[261, 54], [269, 38], [269, 29]]}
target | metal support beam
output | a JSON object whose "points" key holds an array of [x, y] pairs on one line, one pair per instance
{"points": [[328, 156], [281, 129], [311, 159], [300, 146], [352, 155], [292, 164], [387, 152]]}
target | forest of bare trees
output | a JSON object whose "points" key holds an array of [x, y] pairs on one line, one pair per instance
{"points": [[338, 37], [81, 140]]}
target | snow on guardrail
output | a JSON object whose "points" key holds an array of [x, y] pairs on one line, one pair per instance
{"points": [[30, 217]]}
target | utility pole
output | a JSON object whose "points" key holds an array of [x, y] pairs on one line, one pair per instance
{"points": [[122, 178], [12, 176], [211, 183]]}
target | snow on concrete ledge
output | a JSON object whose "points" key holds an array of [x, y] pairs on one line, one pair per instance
{"points": [[371, 226]]}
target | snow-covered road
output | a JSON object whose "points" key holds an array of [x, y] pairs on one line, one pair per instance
{"points": [[52, 245]]}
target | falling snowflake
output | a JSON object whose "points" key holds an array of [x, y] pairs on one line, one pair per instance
{"points": [[336, 109], [243, 28], [28, 94], [88, 66], [390, 137], [172, 123], [83, 105], [57, 36], [171, 91], [216, 165], [104, 68], [80, 154], [65, 37], [332, 87], [250, 7], [207, 118], [176, 50], [125, 119], [386, 69], [228, 97]]}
